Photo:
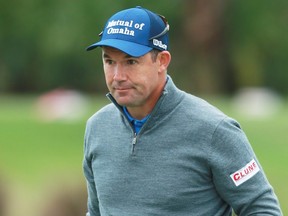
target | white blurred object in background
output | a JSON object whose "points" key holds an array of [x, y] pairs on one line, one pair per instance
{"points": [[257, 102], [61, 104]]}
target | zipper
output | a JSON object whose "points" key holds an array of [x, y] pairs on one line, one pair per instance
{"points": [[135, 137], [134, 141]]}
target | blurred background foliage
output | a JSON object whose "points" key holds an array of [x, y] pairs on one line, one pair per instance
{"points": [[217, 46]]}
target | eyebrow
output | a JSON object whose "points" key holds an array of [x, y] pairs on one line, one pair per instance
{"points": [[105, 55]]}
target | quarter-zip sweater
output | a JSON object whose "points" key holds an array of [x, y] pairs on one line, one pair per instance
{"points": [[182, 162]]}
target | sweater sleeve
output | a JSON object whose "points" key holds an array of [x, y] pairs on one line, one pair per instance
{"points": [[238, 175], [92, 202]]}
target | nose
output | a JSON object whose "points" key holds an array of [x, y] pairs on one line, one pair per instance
{"points": [[119, 73]]}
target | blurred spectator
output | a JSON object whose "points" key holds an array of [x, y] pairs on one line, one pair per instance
{"points": [[257, 102], [61, 104], [2, 199], [66, 202]]}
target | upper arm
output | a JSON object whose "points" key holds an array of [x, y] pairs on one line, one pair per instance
{"points": [[237, 174]]}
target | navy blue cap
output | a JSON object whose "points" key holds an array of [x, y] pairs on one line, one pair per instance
{"points": [[135, 31]]}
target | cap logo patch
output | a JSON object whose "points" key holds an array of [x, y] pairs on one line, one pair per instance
{"points": [[123, 27], [245, 173], [159, 44]]}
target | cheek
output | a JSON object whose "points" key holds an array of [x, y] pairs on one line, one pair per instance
{"points": [[108, 79], [149, 84], [108, 73]]}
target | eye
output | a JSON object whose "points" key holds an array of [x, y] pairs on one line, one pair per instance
{"points": [[131, 62], [108, 61]]}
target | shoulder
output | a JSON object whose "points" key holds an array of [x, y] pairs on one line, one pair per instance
{"points": [[220, 125], [106, 113], [201, 110], [102, 122]]}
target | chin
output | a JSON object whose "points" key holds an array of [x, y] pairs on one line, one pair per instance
{"points": [[122, 101], [127, 101]]}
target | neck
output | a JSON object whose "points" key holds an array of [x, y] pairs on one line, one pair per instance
{"points": [[139, 112]]}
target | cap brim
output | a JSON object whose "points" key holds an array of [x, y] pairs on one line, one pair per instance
{"points": [[132, 49]]}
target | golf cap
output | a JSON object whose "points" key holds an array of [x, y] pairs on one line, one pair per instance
{"points": [[135, 31]]}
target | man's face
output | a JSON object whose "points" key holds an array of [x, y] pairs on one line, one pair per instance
{"points": [[133, 81]]}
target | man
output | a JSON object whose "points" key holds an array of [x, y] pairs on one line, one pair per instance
{"points": [[156, 150]]}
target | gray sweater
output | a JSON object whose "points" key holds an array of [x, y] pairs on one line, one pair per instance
{"points": [[188, 159]]}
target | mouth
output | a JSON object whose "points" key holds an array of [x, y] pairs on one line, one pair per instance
{"points": [[122, 89]]}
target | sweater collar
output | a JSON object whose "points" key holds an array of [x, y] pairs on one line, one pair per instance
{"points": [[170, 98]]}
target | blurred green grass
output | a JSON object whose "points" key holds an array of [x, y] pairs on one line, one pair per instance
{"points": [[33, 151], [38, 158]]}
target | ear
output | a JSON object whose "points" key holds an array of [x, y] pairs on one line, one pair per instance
{"points": [[164, 59]]}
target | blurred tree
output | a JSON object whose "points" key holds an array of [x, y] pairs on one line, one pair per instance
{"points": [[216, 46], [207, 61], [257, 42]]}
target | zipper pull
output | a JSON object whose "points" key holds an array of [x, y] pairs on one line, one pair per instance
{"points": [[134, 142]]}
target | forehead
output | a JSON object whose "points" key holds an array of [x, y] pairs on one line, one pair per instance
{"points": [[112, 51]]}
